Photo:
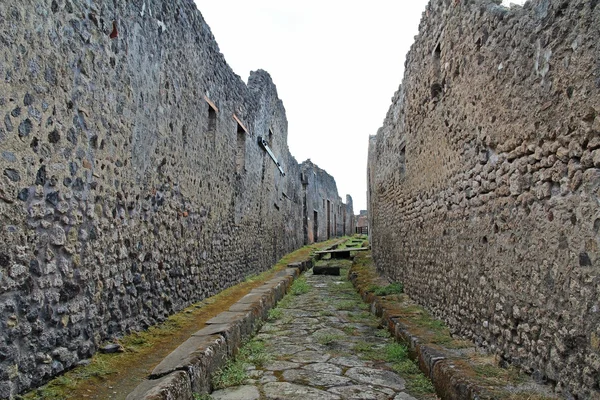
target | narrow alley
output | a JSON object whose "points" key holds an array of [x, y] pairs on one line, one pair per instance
{"points": [[321, 342]]}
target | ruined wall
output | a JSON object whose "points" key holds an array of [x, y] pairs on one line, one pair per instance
{"points": [[326, 216], [484, 181], [132, 182]]}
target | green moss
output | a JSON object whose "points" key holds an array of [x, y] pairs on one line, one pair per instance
{"points": [[394, 288], [384, 333], [351, 330], [419, 384], [346, 304]]}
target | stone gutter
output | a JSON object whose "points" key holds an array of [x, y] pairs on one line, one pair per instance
{"points": [[449, 379], [453, 377], [188, 369]]}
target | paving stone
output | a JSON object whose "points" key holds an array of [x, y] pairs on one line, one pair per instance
{"points": [[376, 377], [255, 374], [404, 396], [306, 321], [302, 313], [350, 361], [245, 392], [280, 366], [291, 391], [312, 378], [288, 349], [268, 377], [309, 356], [358, 392], [329, 331], [324, 368]]}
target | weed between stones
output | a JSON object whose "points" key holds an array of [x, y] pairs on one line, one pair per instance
{"points": [[394, 288], [234, 372], [299, 286], [328, 338]]}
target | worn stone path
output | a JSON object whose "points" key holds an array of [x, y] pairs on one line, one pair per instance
{"points": [[317, 344]]}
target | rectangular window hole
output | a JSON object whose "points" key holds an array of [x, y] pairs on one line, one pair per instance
{"points": [[240, 157], [212, 119]]}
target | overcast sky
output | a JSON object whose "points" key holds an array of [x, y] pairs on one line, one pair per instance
{"points": [[336, 65]]}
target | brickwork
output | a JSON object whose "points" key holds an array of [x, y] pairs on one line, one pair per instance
{"points": [[484, 182], [132, 182]]}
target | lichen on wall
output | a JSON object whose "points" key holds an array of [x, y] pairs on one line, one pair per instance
{"points": [[484, 181], [132, 182]]}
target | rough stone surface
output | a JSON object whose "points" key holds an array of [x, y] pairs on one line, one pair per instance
{"points": [[484, 182], [246, 392], [175, 386], [132, 183], [324, 361], [291, 391], [376, 377], [359, 392]]}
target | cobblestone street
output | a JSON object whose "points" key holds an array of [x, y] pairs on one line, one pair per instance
{"points": [[322, 344]]}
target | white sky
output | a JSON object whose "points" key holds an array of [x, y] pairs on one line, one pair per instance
{"points": [[336, 65]]}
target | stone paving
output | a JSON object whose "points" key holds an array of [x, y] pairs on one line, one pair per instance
{"points": [[315, 344]]}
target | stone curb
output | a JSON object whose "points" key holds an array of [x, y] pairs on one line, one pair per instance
{"points": [[188, 369], [450, 382]]}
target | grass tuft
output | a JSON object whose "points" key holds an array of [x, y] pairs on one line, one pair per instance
{"points": [[328, 338], [274, 313], [299, 287], [234, 373], [394, 288], [396, 352]]}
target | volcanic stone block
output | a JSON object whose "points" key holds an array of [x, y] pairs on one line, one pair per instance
{"points": [[327, 270], [173, 386]]}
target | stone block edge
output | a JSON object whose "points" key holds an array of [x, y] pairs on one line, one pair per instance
{"points": [[161, 385]]}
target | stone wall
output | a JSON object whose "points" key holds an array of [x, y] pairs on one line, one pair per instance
{"points": [[132, 181], [326, 216], [484, 181]]}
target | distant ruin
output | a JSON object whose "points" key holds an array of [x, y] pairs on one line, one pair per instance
{"points": [[138, 174], [484, 182]]}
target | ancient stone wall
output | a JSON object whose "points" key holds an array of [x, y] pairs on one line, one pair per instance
{"points": [[326, 216], [132, 180], [484, 181]]}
